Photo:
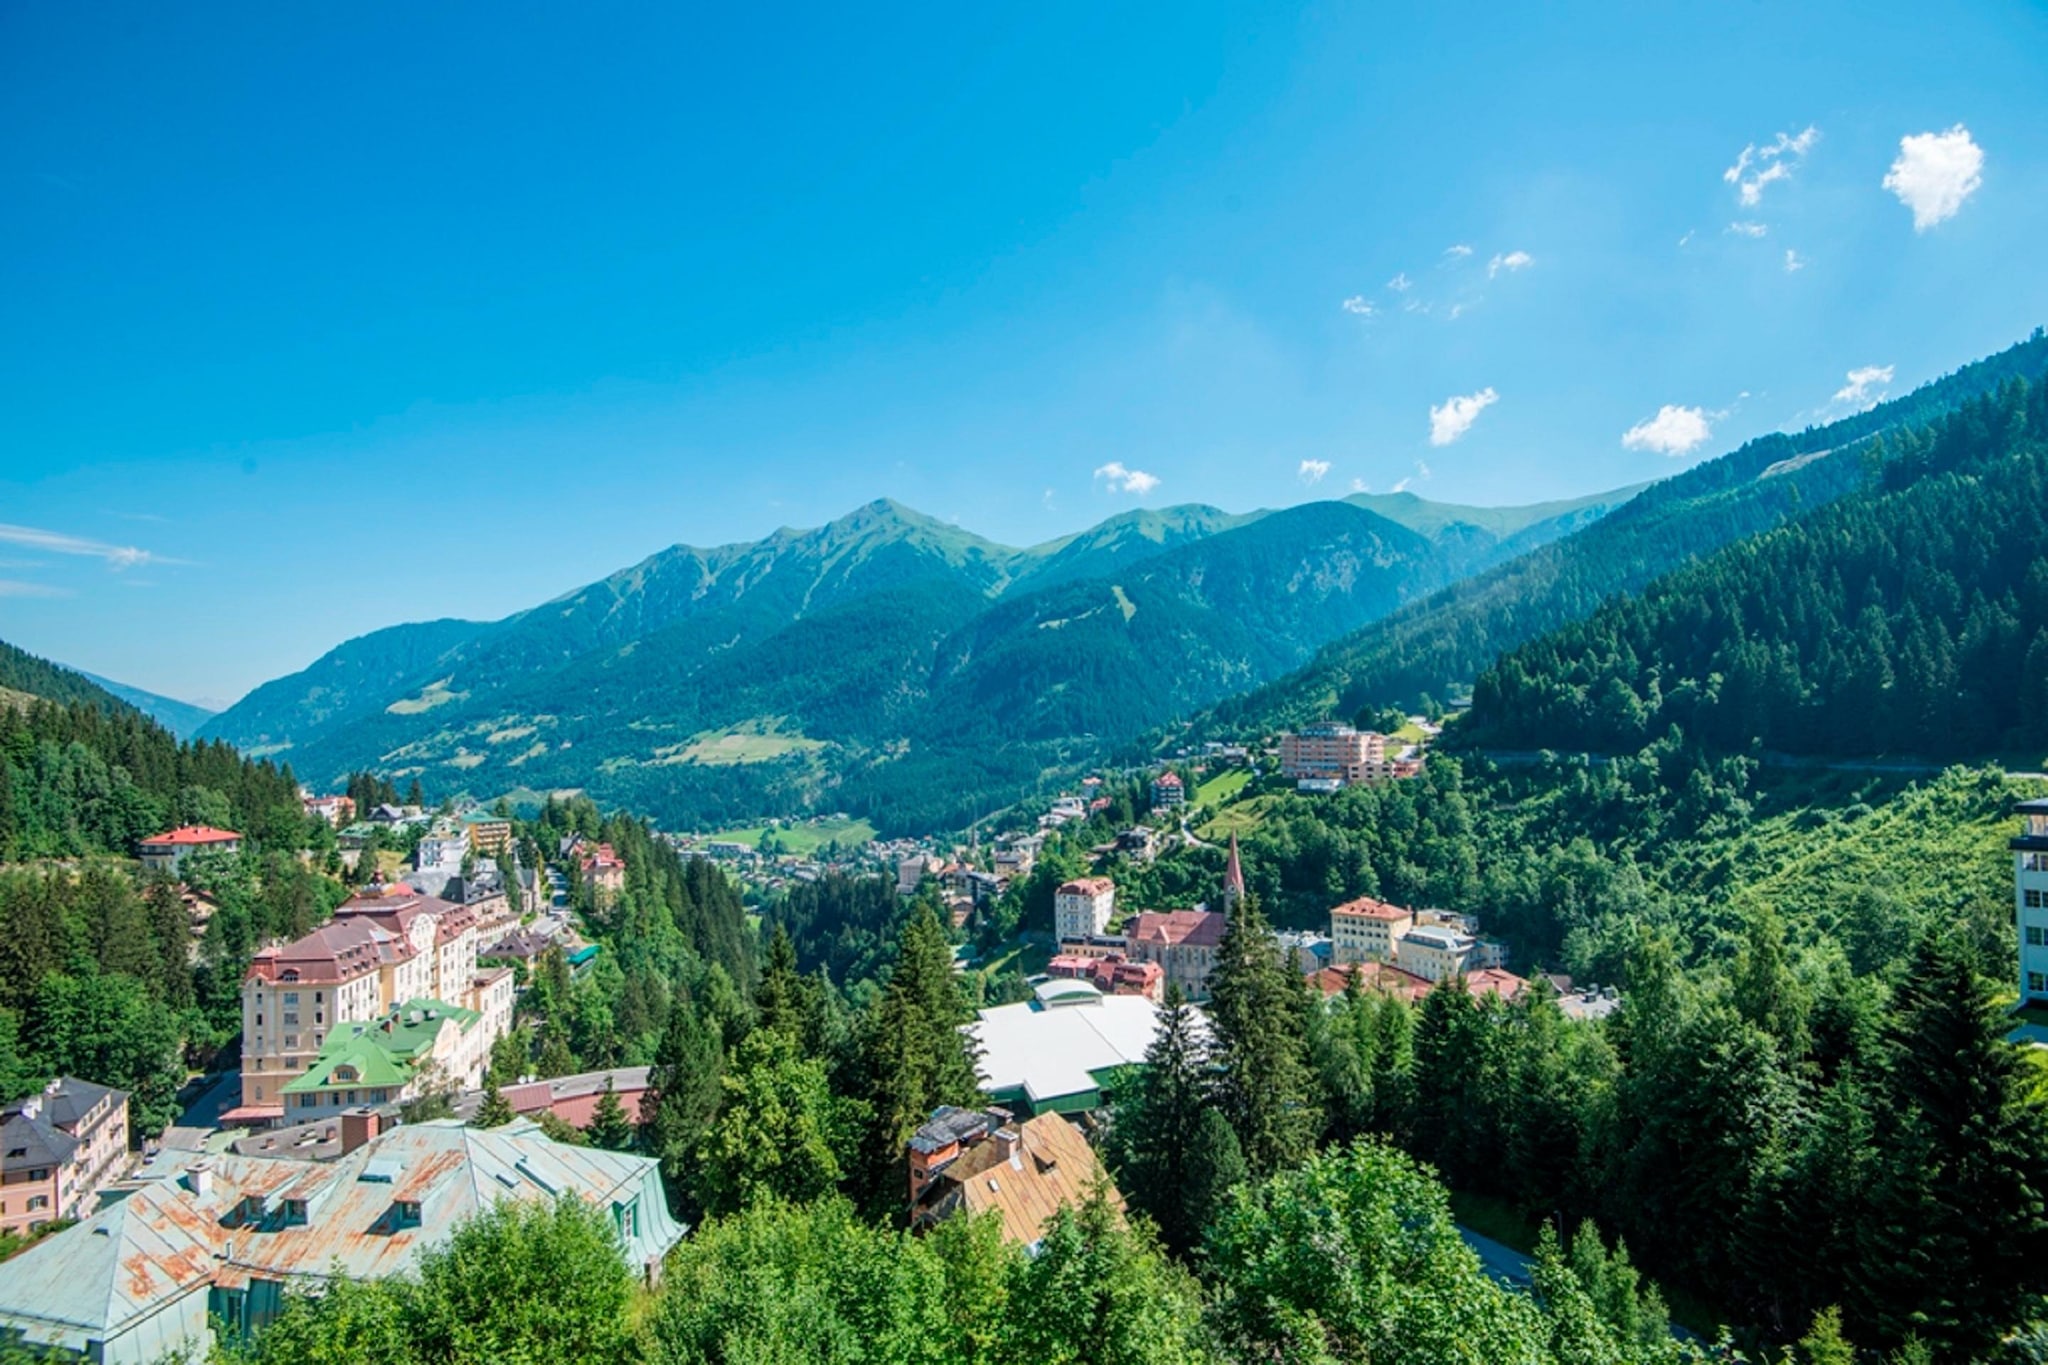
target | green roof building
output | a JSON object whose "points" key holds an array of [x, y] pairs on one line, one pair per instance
{"points": [[382, 1061]]}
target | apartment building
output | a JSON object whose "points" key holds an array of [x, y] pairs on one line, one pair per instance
{"points": [[1330, 754], [57, 1148], [383, 948], [1365, 930], [1082, 908]]}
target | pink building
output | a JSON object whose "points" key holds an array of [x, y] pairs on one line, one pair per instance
{"points": [[1182, 942], [574, 1099], [57, 1148]]}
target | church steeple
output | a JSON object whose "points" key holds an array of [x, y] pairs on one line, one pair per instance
{"points": [[1233, 879]]}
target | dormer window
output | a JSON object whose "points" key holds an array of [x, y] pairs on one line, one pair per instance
{"points": [[295, 1212], [289, 974], [346, 1074]]}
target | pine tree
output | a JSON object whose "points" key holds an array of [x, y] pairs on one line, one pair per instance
{"points": [[778, 1000], [682, 1097], [495, 1111], [1958, 1218], [1175, 1154], [170, 931], [1825, 1344], [914, 1055], [609, 1126], [1266, 1089]]}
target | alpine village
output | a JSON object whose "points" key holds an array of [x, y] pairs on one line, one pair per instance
{"points": [[1371, 930]]}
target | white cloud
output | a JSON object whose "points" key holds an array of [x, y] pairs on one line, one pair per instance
{"points": [[14, 587], [1401, 284], [56, 542], [1401, 485], [1312, 471], [1690, 233], [1360, 305], [1458, 251], [1360, 486], [1773, 161], [1422, 471], [1512, 260], [1793, 261], [1048, 500], [1861, 382], [1129, 480], [1748, 229], [1935, 173], [1455, 416], [1673, 431]]}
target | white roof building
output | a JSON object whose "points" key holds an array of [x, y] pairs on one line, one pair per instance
{"points": [[1059, 1051]]}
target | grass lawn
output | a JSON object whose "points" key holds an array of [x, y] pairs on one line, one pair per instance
{"points": [[807, 838], [1222, 787], [1409, 733], [1240, 819]]}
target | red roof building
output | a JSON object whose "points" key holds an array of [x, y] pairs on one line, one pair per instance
{"points": [[166, 852]]}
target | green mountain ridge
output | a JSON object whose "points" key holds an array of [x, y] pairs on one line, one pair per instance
{"points": [[850, 664], [1438, 646], [181, 718]]}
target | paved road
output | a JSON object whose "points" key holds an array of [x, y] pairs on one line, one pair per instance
{"points": [[1501, 1261]]}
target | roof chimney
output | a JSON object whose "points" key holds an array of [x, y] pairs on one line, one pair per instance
{"points": [[1012, 1143], [358, 1126], [199, 1178]]}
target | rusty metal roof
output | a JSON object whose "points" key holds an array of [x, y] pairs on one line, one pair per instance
{"points": [[225, 1219]]}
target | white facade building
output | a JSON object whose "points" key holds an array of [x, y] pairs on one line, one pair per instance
{"points": [[2030, 899], [1082, 908]]}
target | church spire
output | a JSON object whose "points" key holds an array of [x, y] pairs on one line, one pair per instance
{"points": [[1233, 879]]}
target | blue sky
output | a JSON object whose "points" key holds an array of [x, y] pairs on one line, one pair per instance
{"points": [[321, 319]]}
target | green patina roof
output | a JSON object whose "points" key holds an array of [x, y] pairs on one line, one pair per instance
{"points": [[380, 1052], [484, 817]]}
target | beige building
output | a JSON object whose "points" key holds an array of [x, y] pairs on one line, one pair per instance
{"points": [[1366, 930], [57, 1148], [167, 852], [383, 948], [1330, 753], [1081, 908]]}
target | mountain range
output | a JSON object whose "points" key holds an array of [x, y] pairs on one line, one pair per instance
{"points": [[886, 663]]}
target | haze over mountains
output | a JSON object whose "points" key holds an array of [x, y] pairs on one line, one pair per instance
{"points": [[866, 662]]}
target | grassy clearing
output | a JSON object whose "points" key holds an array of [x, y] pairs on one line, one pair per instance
{"points": [[804, 839], [756, 743], [1222, 787], [1239, 818]]}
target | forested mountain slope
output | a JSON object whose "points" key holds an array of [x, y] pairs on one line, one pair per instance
{"points": [[181, 718], [856, 664], [23, 672], [1439, 645], [1908, 618]]}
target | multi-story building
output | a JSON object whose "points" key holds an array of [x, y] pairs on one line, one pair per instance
{"points": [[1437, 954], [338, 811], [1365, 930], [2030, 899], [422, 1045], [384, 947], [489, 835], [1168, 791], [167, 852], [57, 1148], [1110, 973], [603, 871], [1182, 942], [1081, 908], [211, 1245], [1332, 752], [971, 1162]]}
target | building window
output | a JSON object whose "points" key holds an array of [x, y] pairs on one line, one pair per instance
{"points": [[38, 1201], [291, 1020], [2036, 936], [2036, 983], [291, 998], [2036, 899]]}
